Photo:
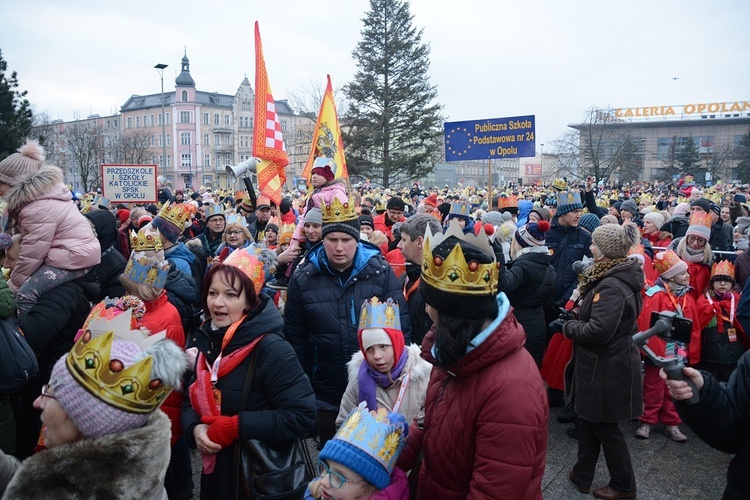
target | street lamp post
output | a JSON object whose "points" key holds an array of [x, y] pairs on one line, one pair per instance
{"points": [[160, 69]]}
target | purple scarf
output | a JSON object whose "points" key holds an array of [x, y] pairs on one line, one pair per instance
{"points": [[369, 376]]}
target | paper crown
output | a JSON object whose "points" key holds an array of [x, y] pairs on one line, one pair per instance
{"points": [[697, 219], [569, 198], [262, 202], [232, 218], [147, 270], [336, 211], [287, 231], [145, 241], [507, 201], [602, 203], [722, 268], [666, 260], [460, 208], [560, 184], [376, 314], [100, 201], [214, 210], [453, 274], [247, 261], [375, 433], [645, 200], [178, 214]]}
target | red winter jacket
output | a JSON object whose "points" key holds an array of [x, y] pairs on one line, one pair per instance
{"points": [[659, 301], [485, 428], [161, 315]]}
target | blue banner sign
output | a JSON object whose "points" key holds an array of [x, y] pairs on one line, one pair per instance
{"points": [[495, 138]]}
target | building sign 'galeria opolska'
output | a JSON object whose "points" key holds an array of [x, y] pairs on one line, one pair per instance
{"points": [[684, 111]]}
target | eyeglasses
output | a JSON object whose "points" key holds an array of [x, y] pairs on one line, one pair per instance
{"points": [[336, 479], [696, 239], [234, 233], [47, 392]]}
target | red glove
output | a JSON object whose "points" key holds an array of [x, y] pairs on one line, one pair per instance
{"points": [[222, 430]]}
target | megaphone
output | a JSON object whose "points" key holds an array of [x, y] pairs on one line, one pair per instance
{"points": [[234, 172]]}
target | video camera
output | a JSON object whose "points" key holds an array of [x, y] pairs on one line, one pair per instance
{"points": [[669, 327]]}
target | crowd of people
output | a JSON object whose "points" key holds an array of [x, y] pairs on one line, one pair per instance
{"points": [[419, 336]]}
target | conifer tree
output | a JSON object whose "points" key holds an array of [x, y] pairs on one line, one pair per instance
{"points": [[15, 112]]}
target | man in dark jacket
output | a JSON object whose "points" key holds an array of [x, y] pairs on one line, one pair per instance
{"points": [[412, 238], [325, 295], [262, 213], [216, 222], [113, 263]]}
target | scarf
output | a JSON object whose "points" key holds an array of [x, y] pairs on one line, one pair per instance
{"points": [[369, 377], [595, 272], [693, 255]]}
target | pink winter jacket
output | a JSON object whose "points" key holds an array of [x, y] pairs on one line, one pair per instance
{"points": [[319, 198], [53, 229]]}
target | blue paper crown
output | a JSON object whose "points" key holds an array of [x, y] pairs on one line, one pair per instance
{"points": [[147, 270], [376, 314], [379, 434], [460, 209], [214, 210], [569, 198], [100, 201]]}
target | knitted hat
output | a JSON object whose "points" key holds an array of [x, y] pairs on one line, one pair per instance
{"points": [[366, 220], [314, 216], [369, 443], [715, 208], [700, 225], [431, 200], [123, 215], [615, 241], [494, 218], [396, 203], [568, 201], [655, 218], [589, 221], [682, 209], [324, 171], [93, 383], [28, 159], [543, 213], [703, 204], [340, 217], [669, 265], [532, 235], [617, 206], [630, 206]]}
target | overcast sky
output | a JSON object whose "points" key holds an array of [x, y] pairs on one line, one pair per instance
{"points": [[489, 58]]}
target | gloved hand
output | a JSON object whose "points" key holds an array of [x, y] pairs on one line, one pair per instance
{"points": [[222, 430], [556, 325]]}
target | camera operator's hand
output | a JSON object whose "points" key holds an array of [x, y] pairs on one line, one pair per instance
{"points": [[679, 389], [589, 183], [556, 326]]}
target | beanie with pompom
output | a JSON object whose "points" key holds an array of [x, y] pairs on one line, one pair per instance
{"points": [[615, 241], [532, 234], [27, 160]]}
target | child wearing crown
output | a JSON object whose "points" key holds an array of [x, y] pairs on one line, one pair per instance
{"points": [[671, 292], [360, 461], [326, 188], [722, 335], [384, 372], [58, 244]]}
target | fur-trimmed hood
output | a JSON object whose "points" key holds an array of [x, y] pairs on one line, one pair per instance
{"points": [[45, 183], [129, 465], [420, 369]]}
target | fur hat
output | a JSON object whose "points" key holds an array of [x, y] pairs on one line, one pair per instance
{"points": [[629, 206], [669, 265], [28, 159], [532, 234], [589, 221], [615, 241], [655, 218]]}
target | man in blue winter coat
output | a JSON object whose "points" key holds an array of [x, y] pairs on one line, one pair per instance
{"points": [[324, 298]]}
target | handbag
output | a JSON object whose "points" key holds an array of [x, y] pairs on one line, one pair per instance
{"points": [[18, 363], [271, 470]]}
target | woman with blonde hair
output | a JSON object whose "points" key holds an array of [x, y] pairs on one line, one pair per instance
{"points": [[694, 248], [235, 236]]}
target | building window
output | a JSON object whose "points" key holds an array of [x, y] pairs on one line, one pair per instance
{"points": [[218, 159], [169, 160], [130, 122], [153, 142], [168, 140], [161, 161], [216, 120], [184, 96], [160, 119], [217, 140], [206, 140], [185, 138], [169, 119], [206, 160], [283, 125], [151, 120], [137, 122], [226, 120], [161, 140], [206, 119], [186, 160], [184, 116]]}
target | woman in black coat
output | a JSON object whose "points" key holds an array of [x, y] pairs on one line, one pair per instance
{"points": [[281, 404], [605, 380], [113, 263], [529, 282]]}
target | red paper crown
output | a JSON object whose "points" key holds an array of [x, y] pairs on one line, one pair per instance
{"points": [[664, 261], [723, 268], [698, 219]]}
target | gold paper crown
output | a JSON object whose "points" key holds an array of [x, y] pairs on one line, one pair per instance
{"points": [[666, 260], [376, 314], [560, 184], [337, 211], [646, 200], [145, 241], [453, 274], [178, 214], [287, 231], [697, 219], [722, 268], [129, 389]]}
